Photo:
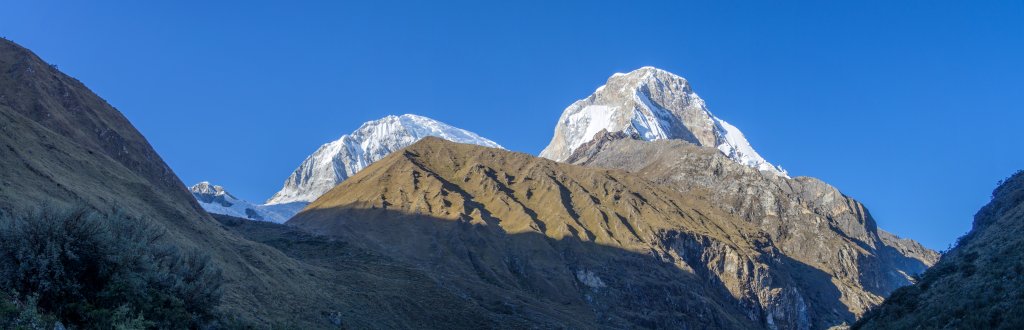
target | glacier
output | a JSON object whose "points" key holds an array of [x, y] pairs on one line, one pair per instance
{"points": [[336, 161], [651, 104], [215, 199]]}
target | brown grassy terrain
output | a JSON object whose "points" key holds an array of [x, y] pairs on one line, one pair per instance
{"points": [[573, 243]]}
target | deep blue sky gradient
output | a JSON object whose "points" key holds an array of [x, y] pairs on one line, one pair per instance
{"points": [[913, 107]]}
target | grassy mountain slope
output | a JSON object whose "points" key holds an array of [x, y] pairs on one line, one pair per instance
{"points": [[571, 243]]}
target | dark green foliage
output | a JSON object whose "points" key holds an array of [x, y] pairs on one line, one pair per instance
{"points": [[1002, 181], [106, 271], [977, 285], [18, 314]]}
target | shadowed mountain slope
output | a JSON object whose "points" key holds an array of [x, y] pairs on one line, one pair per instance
{"points": [[600, 246], [806, 218], [979, 284], [62, 146]]}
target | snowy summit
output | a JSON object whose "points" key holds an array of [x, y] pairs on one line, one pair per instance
{"points": [[334, 162], [215, 199], [652, 104]]}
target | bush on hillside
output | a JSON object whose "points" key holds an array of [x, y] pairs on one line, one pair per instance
{"points": [[17, 314], [105, 272]]}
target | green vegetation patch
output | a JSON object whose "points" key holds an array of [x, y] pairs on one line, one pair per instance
{"points": [[96, 271]]}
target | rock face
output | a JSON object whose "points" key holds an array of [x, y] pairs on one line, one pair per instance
{"points": [[336, 161], [805, 218], [651, 104], [590, 247], [215, 199], [979, 284]]}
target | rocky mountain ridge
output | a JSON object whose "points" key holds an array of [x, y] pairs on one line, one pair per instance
{"points": [[492, 221], [805, 217]]}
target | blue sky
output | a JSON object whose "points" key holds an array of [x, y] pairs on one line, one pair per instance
{"points": [[912, 107]]}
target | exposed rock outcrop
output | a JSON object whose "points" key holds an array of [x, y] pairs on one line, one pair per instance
{"points": [[807, 219]]}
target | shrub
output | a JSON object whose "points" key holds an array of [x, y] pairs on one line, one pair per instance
{"points": [[106, 271], [16, 314]]}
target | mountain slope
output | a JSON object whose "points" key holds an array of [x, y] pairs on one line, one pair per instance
{"points": [[216, 200], [62, 146], [600, 246], [651, 104], [334, 162], [807, 219], [979, 284]]}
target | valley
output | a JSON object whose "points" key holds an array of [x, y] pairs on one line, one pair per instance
{"points": [[645, 210]]}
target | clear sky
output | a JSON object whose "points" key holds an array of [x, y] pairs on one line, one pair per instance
{"points": [[912, 107]]}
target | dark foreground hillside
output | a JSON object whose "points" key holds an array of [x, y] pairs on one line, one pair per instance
{"points": [[979, 284], [64, 148]]}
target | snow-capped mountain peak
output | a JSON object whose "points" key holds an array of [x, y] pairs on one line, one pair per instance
{"points": [[652, 104], [207, 189], [334, 162], [215, 199]]}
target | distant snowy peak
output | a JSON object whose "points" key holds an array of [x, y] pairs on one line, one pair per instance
{"points": [[208, 193], [334, 162], [206, 189], [652, 104], [214, 199]]}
